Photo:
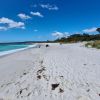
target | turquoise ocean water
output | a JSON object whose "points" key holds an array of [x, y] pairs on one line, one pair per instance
{"points": [[12, 47]]}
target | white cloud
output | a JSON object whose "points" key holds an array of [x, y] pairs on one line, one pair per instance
{"points": [[23, 16], [60, 34], [37, 14], [90, 30], [3, 28], [4, 20], [49, 7], [16, 25], [9, 23]]}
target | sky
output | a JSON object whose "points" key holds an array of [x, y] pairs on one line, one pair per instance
{"points": [[31, 20]]}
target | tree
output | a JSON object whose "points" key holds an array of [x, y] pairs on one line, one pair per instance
{"points": [[98, 30]]}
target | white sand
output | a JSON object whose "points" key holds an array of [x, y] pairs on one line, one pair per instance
{"points": [[29, 75]]}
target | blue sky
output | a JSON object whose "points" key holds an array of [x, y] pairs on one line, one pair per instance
{"points": [[24, 20]]}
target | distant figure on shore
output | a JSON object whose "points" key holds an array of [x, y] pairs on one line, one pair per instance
{"points": [[60, 43], [47, 45], [39, 46]]}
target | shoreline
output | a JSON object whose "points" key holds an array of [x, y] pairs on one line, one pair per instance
{"points": [[14, 64], [4, 53]]}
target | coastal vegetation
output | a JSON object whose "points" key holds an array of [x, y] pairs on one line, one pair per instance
{"points": [[98, 29], [93, 40], [80, 37], [93, 44]]}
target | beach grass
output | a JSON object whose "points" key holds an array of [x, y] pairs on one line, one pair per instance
{"points": [[93, 44]]}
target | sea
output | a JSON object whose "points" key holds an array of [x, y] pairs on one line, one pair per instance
{"points": [[11, 48]]}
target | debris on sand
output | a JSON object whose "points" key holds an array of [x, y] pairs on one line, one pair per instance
{"points": [[54, 86], [85, 64], [88, 90], [39, 77], [24, 73], [41, 62], [41, 70], [20, 91], [62, 76], [61, 90]]}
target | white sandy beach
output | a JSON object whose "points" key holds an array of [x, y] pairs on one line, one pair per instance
{"points": [[59, 72]]}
